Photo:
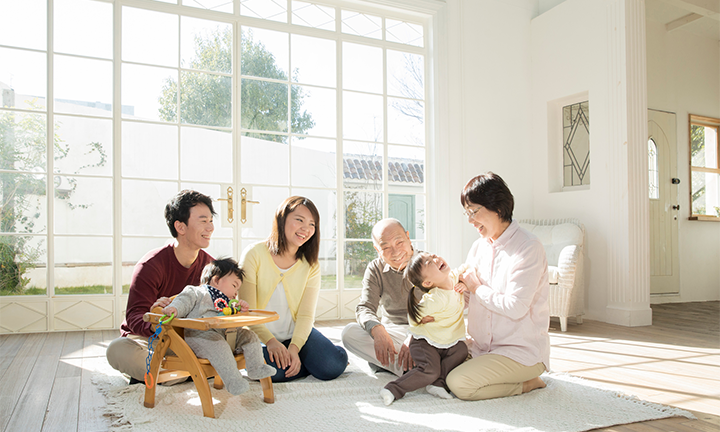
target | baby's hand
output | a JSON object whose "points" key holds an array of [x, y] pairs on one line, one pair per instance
{"points": [[169, 310], [460, 287], [243, 305], [161, 302]]}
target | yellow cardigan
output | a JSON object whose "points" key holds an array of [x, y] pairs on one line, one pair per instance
{"points": [[302, 287]]}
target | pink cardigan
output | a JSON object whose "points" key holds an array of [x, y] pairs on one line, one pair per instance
{"points": [[509, 314]]}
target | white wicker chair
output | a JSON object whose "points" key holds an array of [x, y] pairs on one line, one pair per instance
{"points": [[563, 240]]}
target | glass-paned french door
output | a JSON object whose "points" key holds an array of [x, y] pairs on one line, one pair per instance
{"points": [[111, 107]]}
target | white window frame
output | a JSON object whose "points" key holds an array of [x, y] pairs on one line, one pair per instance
{"points": [[425, 12]]}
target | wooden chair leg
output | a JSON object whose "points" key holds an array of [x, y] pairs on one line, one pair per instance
{"points": [[181, 348], [218, 382], [563, 324], [267, 388], [203, 390]]}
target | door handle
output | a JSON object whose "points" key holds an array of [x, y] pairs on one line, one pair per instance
{"points": [[243, 205], [229, 200], [676, 207]]}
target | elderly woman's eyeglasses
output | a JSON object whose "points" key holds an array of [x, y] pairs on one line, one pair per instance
{"points": [[471, 213]]}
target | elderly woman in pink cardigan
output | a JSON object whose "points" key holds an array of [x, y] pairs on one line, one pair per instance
{"points": [[506, 290]]}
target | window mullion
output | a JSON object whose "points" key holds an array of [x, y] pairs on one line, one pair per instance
{"points": [[339, 155], [117, 162], [49, 184]]}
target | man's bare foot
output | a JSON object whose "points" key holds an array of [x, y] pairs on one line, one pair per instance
{"points": [[533, 384]]}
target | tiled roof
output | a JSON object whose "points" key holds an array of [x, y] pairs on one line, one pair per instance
{"points": [[400, 170]]}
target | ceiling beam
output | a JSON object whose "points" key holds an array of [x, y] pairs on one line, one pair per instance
{"points": [[672, 25], [706, 8]]}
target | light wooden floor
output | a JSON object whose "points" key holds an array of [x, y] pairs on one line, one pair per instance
{"points": [[45, 378]]}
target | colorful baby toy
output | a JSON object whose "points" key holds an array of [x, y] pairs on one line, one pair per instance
{"points": [[224, 308]]}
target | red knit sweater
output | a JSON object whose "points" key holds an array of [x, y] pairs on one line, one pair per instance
{"points": [[157, 274]]}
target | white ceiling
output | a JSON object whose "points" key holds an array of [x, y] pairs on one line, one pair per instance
{"points": [[700, 17]]}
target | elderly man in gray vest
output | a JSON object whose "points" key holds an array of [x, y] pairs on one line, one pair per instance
{"points": [[380, 335]]}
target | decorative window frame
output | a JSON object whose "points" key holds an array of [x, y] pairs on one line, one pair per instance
{"points": [[556, 181]]}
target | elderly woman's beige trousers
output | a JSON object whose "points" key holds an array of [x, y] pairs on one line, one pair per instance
{"points": [[490, 376]]}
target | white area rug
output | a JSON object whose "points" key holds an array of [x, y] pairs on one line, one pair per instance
{"points": [[352, 403]]}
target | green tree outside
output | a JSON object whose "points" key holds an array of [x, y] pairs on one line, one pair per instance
{"points": [[23, 147], [205, 98], [697, 148], [362, 211]]}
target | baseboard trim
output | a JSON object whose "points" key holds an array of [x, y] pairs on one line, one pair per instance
{"points": [[629, 317]]}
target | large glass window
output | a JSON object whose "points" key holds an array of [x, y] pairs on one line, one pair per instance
{"points": [[56, 155], [704, 168], [282, 98]]}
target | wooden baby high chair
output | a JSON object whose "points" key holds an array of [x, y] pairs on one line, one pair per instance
{"points": [[184, 362]]}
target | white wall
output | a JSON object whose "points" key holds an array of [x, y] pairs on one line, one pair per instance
{"points": [[569, 56], [506, 61], [684, 78], [489, 60], [511, 64]]}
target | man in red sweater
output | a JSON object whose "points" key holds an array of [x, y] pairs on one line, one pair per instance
{"points": [[163, 273]]}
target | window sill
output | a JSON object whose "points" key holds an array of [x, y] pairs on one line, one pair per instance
{"points": [[705, 218]]}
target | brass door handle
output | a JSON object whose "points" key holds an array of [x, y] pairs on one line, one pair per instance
{"points": [[229, 199], [243, 206]]}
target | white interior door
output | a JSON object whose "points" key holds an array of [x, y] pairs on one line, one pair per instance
{"points": [[662, 149]]}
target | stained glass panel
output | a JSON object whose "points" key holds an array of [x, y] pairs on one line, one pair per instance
{"points": [[576, 144]]}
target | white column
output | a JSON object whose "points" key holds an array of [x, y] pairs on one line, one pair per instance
{"points": [[628, 245]]}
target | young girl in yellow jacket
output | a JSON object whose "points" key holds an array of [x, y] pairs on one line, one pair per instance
{"points": [[437, 346], [283, 274]]}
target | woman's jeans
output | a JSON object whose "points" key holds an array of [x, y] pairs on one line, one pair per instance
{"points": [[318, 357]]}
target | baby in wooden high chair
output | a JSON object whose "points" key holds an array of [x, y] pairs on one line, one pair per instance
{"points": [[220, 281]]}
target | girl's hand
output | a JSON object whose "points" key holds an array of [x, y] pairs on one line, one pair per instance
{"points": [[243, 305], [295, 362], [427, 319], [278, 353], [468, 341], [169, 310], [460, 287], [471, 280]]}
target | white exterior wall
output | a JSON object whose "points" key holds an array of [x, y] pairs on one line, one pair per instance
{"points": [[684, 78]]}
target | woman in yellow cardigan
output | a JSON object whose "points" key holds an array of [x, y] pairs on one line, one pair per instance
{"points": [[283, 274]]}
